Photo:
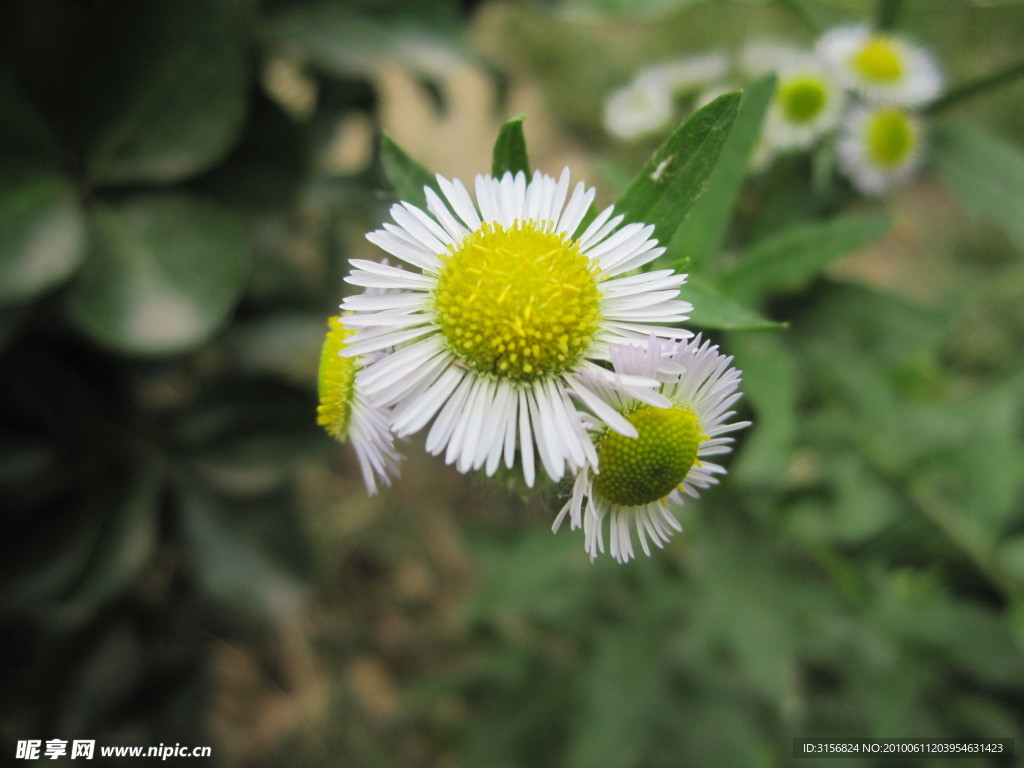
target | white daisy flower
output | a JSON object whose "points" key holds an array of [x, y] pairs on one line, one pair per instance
{"points": [[690, 73], [641, 478], [881, 66], [806, 105], [346, 414], [640, 108], [506, 308], [880, 147]]}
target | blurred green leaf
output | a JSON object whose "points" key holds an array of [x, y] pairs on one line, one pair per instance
{"points": [[341, 41], [666, 188], [407, 177], [163, 274], [41, 234], [712, 309], [790, 259], [986, 173], [232, 567], [166, 84], [702, 234], [769, 382], [510, 149], [125, 538], [23, 133], [622, 691]]}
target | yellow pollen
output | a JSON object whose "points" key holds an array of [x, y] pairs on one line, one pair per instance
{"points": [[335, 382], [645, 469], [890, 136], [879, 61], [506, 294]]}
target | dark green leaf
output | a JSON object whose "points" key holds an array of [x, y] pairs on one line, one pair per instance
{"points": [[126, 539], [233, 568], [407, 177], [23, 133], [711, 309], [986, 173], [701, 236], [166, 88], [163, 274], [510, 149], [41, 234], [666, 188], [790, 259]]}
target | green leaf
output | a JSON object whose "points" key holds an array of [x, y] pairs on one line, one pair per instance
{"points": [[234, 568], [23, 132], [166, 88], [790, 259], [125, 538], [510, 149], [986, 173], [701, 236], [41, 234], [769, 381], [163, 274], [622, 692], [712, 309], [407, 177], [666, 188]]}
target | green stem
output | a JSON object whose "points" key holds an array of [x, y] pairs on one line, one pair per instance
{"points": [[976, 87], [887, 13]]}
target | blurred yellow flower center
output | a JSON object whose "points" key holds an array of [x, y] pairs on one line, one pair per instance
{"points": [[518, 302], [335, 382], [891, 137], [802, 98], [636, 471], [879, 61]]}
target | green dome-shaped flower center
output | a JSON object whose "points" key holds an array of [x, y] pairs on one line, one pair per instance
{"points": [[890, 137], [802, 98], [518, 302], [879, 61], [636, 471]]}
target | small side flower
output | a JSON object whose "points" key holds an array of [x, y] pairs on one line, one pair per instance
{"points": [[346, 414], [880, 147], [642, 478]]}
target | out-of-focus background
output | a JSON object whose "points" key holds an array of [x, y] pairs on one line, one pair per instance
{"points": [[188, 559]]}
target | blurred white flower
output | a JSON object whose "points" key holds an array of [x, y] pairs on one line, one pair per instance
{"points": [[640, 108], [880, 146], [881, 66], [807, 104], [688, 74], [761, 57]]}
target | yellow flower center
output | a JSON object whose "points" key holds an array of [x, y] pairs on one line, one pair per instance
{"points": [[519, 303], [879, 61], [802, 98], [335, 382], [636, 471], [891, 137]]}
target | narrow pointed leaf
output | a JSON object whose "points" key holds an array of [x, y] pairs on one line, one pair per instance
{"points": [[666, 188], [510, 149], [701, 235], [407, 176], [789, 259], [987, 175], [712, 309]]}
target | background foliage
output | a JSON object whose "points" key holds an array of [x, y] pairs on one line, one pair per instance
{"points": [[187, 559]]}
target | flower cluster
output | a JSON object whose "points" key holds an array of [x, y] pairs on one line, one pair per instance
{"points": [[518, 329], [862, 87]]}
